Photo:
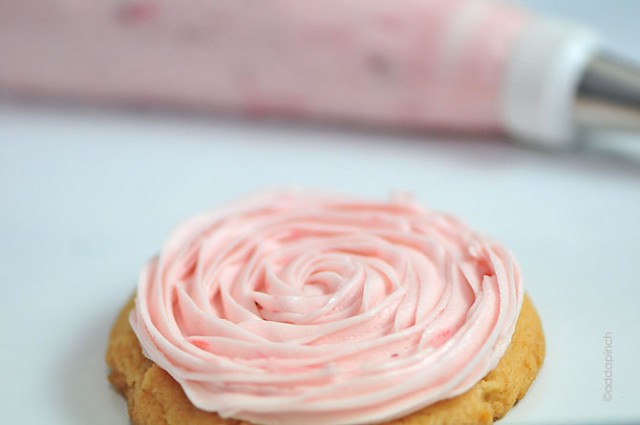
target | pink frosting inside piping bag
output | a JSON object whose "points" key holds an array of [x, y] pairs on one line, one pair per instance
{"points": [[289, 308], [414, 63]]}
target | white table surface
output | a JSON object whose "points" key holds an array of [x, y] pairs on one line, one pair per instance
{"points": [[87, 195]]}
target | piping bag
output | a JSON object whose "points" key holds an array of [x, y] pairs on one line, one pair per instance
{"points": [[468, 66]]}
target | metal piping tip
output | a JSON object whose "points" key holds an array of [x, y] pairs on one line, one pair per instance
{"points": [[608, 96]]}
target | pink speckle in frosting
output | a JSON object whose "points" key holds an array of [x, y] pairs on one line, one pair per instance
{"points": [[441, 338], [203, 345], [136, 12]]}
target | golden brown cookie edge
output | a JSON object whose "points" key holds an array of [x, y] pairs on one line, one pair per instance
{"points": [[155, 398]]}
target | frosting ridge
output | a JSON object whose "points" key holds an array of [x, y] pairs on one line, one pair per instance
{"points": [[290, 307]]}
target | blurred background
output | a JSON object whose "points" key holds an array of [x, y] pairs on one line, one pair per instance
{"points": [[88, 192]]}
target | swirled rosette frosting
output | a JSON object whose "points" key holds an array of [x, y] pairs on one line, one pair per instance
{"points": [[297, 308]]}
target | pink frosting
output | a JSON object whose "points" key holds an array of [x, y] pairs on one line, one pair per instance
{"points": [[290, 308]]}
